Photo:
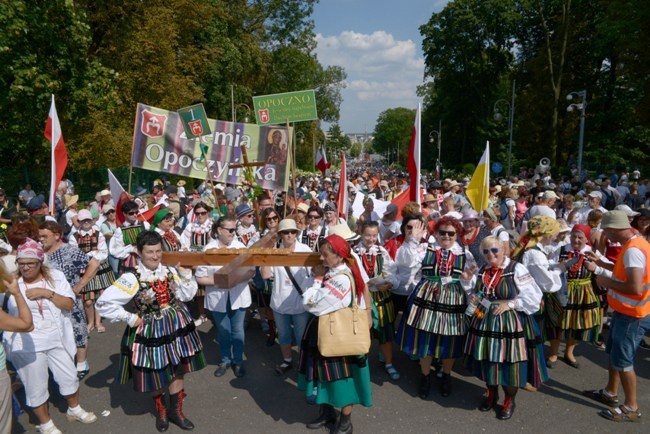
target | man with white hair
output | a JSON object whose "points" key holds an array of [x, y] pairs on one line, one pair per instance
{"points": [[545, 205], [579, 216]]}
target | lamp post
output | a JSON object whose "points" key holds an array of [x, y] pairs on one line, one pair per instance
{"points": [[511, 121], [439, 134], [582, 106], [248, 112]]}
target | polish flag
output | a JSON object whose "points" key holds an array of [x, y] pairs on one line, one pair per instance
{"points": [[413, 160], [321, 160], [59, 154], [342, 201]]}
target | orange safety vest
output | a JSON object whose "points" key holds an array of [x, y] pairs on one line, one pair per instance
{"points": [[637, 306]]}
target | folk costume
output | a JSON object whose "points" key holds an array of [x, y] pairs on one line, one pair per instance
{"points": [[434, 323], [93, 244], [166, 344], [122, 245], [505, 349]]}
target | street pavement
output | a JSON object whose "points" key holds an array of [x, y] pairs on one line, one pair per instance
{"points": [[262, 402]]}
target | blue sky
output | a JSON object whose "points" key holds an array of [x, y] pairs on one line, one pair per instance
{"points": [[379, 45]]}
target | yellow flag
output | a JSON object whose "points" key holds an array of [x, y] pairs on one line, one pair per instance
{"points": [[478, 190]]}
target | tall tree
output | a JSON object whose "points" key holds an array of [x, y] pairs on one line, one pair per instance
{"points": [[393, 133]]}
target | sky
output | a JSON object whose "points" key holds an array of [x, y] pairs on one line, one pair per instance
{"points": [[379, 45]]}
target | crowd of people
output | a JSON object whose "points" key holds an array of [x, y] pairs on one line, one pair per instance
{"points": [[547, 261]]}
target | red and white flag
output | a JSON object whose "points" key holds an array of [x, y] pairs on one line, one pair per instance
{"points": [[59, 155], [342, 201], [119, 196], [413, 160], [321, 160]]}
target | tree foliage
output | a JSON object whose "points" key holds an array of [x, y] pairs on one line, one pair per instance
{"points": [[475, 49], [101, 57], [393, 133]]}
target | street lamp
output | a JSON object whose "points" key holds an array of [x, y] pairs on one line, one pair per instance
{"points": [[248, 112], [439, 134], [511, 121], [582, 106]]}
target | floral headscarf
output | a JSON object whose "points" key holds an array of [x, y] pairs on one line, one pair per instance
{"points": [[538, 227]]}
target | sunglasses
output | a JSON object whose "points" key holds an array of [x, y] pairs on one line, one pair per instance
{"points": [[110, 212], [132, 213], [494, 250], [448, 233], [248, 215], [231, 230], [201, 213], [289, 232], [27, 264], [270, 219], [313, 217]]}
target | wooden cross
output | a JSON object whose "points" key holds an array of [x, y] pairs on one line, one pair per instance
{"points": [[237, 263]]}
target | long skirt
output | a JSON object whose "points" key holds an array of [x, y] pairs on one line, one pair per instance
{"points": [[582, 315], [549, 317], [160, 349], [384, 330], [340, 381], [505, 349], [434, 322]]}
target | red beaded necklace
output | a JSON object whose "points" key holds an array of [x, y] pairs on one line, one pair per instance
{"points": [[491, 278]]}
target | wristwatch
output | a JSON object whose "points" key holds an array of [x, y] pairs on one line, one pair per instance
{"points": [[511, 305]]}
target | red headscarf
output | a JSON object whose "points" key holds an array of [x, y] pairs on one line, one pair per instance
{"points": [[342, 248], [585, 229]]}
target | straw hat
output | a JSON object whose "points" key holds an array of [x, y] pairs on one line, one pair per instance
{"points": [[287, 225], [70, 200], [344, 232]]}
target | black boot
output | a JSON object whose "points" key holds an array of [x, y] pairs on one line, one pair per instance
{"points": [[490, 401], [508, 403], [344, 426], [425, 385], [445, 384], [162, 422], [327, 416], [176, 415]]}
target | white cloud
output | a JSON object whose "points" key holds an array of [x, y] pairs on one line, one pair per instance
{"points": [[382, 73]]}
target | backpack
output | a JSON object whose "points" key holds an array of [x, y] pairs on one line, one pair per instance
{"points": [[63, 221], [503, 210], [513, 235], [609, 202]]}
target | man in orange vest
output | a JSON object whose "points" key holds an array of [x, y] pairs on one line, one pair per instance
{"points": [[628, 295]]}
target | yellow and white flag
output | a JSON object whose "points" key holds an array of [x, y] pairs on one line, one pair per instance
{"points": [[478, 190]]}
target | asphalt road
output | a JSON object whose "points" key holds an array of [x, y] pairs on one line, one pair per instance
{"points": [[262, 402]]}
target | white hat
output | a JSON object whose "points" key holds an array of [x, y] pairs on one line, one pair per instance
{"points": [[550, 194], [597, 194], [344, 231], [327, 180], [287, 225], [454, 214], [84, 214], [627, 210], [105, 192]]}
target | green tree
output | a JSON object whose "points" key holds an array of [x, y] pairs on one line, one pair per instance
{"points": [[393, 133]]}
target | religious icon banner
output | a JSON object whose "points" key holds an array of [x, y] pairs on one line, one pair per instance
{"points": [[160, 145]]}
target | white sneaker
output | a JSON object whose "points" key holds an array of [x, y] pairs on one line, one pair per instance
{"points": [[198, 322], [51, 430], [83, 417]]}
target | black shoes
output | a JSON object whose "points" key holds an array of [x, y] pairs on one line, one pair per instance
{"points": [[445, 385], [238, 370], [283, 368], [344, 426], [508, 408], [162, 421], [327, 416], [490, 401], [425, 386], [176, 415]]}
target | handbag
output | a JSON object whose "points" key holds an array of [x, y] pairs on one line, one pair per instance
{"points": [[344, 332]]}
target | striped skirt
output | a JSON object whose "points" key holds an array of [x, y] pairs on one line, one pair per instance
{"points": [[434, 322], [156, 352], [384, 330], [128, 264], [102, 280], [506, 349], [549, 317], [582, 314]]}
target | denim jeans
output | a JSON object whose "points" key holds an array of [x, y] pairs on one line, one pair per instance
{"points": [[284, 322], [625, 334], [230, 334]]}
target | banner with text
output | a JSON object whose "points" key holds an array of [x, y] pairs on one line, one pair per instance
{"points": [[160, 144]]}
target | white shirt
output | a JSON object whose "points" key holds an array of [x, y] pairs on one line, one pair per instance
{"points": [[332, 293], [216, 299], [548, 280], [116, 244], [285, 299], [101, 252]]}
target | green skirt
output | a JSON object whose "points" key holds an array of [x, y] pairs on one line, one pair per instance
{"points": [[340, 393]]}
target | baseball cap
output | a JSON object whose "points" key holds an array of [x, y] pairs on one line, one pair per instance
{"points": [[597, 194]]}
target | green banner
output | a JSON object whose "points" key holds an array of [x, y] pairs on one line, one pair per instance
{"points": [[195, 121], [280, 108], [160, 144]]}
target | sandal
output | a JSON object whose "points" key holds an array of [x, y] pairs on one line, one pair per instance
{"points": [[101, 329], [621, 414], [392, 372], [600, 396]]}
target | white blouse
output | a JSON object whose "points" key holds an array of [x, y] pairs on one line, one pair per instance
{"points": [[332, 293]]}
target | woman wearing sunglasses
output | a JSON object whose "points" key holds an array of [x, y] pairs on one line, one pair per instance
{"points": [[195, 236], [269, 226], [314, 232], [227, 305], [123, 243], [503, 346], [433, 324]]}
